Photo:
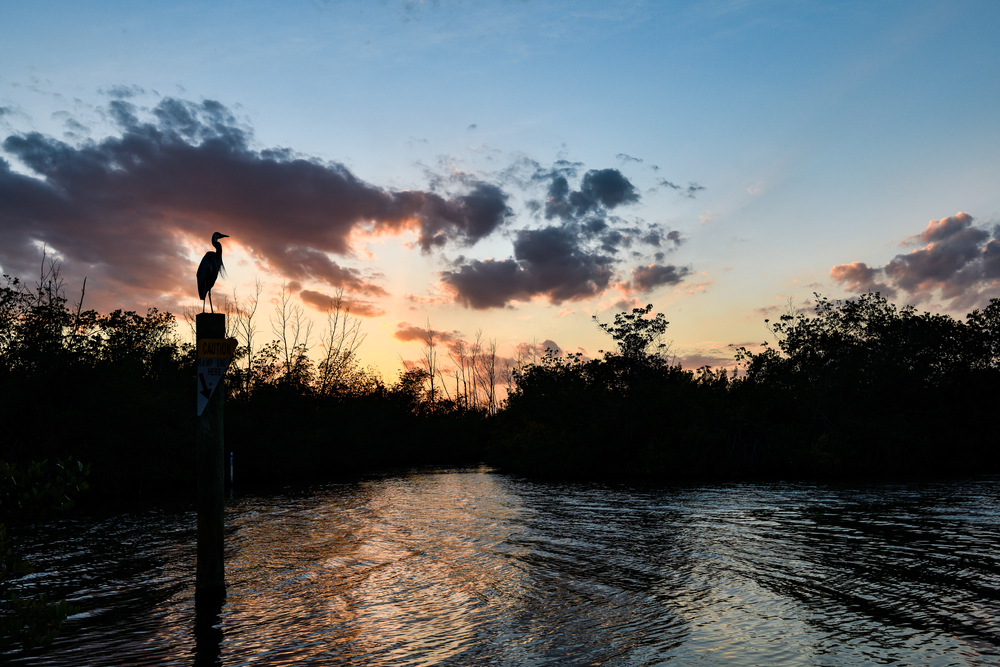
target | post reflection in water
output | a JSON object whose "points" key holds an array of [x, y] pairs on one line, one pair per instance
{"points": [[208, 632], [463, 567]]}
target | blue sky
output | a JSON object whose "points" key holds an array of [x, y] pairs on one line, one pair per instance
{"points": [[774, 141]]}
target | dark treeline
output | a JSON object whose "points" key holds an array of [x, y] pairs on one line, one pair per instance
{"points": [[102, 388], [118, 391], [858, 388]]}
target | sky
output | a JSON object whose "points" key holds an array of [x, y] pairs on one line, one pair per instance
{"points": [[506, 168]]}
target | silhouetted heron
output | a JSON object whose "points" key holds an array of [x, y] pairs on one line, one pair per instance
{"points": [[208, 270]]}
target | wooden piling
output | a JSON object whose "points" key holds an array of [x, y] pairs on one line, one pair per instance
{"points": [[210, 579]]}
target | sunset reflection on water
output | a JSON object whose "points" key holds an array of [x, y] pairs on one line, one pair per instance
{"points": [[460, 567], [400, 570]]}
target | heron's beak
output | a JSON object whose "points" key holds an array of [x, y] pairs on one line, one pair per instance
{"points": [[223, 236]]}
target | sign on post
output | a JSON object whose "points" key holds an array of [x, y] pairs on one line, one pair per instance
{"points": [[214, 356]]}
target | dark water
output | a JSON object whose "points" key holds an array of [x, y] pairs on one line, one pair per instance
{"points": [[470, 567]]}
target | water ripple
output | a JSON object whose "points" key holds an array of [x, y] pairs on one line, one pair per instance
{"points": [[463, 567]]}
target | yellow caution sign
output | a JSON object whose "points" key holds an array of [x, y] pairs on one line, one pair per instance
{"points": [[214, 357], [217, 348]]}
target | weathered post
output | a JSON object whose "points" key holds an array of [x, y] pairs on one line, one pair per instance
{"points": [[210, 579]]}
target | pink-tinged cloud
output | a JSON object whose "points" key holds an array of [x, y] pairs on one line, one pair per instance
{"points": [[766, 311], [357, 307], [717, 356], [124, 210], [698, 360], [525, 352], [945, 228], [408, 333], [426, 300], [549, 345], [626, 305], [959, 260], [859, 277], [306, 263]]}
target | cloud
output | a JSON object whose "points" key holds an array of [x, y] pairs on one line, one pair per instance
{"points": [[626, 305], [690, 191], [600, 190], [356, 307], [533, 352], [697, 360], [770, 311], [123, 92], [407, 333], [549, 345], [656, 237], [574, 260], [548, 262], [614, 240], [860, 278], [76, 128], [647, 278], [571, 260], [427, 300], [306, 263], [958, 260], [466, 218], [624, 157], [124, 210]]}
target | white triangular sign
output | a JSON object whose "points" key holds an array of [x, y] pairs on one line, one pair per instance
{"points": [[210, 371]]}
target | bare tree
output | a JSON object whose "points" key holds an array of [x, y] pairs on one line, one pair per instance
{"points": [[293, 330], [470, 372], [476, 372], [512, 368], [50, 288], [241, 326], [429, 361], [340, 340], [189, 313], [458, 355], [488, 375], [787, 316]]}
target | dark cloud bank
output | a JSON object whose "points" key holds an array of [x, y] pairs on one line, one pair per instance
{"points": [[575, 255], [957, 259], [120, 211]]}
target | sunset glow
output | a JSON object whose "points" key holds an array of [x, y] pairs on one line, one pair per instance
{"points": [[511, 169]]}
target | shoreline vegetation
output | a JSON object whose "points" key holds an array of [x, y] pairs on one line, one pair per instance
{"points": [[860, 388]]}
